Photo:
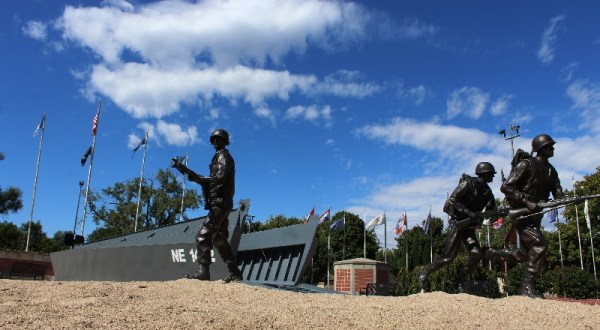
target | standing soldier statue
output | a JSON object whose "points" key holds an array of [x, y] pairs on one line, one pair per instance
{"points": [[218, 190], [530, 182], [464, 206]]}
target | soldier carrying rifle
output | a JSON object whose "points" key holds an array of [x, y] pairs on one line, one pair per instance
{"points": [[218, 190], [529, 185]]}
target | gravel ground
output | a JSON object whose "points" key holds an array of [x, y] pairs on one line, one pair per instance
{"points": [[191, 304]]}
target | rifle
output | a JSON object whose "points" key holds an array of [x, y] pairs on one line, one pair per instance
{"points": [[545, 206], [193, 176]]}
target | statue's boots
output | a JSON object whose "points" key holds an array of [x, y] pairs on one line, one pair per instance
{"points": [[235, 275], [528, 287], [203, 274]]}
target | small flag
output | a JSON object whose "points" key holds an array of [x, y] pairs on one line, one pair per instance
{"points": [[337, 224], [142, 142], [310, 214], [498, 223], [40, 126], [95, 123], [378, 220], [553, 215], [401, 225], [586, 210], [182, 159], [426, 223], [326, 216], [88, 152]]}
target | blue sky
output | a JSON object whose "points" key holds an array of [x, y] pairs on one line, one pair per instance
{"points": [[365, 106]]}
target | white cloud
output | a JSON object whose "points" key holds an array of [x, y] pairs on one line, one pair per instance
{"points": [[266, 113], [311, 113], [547, 45], [174, 134], [181, 51], [121, 4], [586, 98], [470, 101], [428, 136], [35, 30], [416, 95], [500, 105], [346, 83], [146, 91]]}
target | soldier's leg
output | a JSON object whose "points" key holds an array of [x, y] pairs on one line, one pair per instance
{"points": [[203, 248], [475, 255], [221, 243], [537, 248], [451, 246]]}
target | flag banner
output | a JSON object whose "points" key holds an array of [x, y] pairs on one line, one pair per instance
{"points": [[95, 123], [553, 215], [142, 142], [338, 224], [401, 225], [326, 216], [586, 210], [88, 152], [498, 223], [40, 126], [426, 223], [310, 214], [378, 220]]}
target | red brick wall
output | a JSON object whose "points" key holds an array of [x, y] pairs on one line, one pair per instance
{"points": [[342, 280], [362, 277], [383, 276]]}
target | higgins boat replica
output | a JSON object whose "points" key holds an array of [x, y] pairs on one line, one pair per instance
{"points": [[276, 257]]}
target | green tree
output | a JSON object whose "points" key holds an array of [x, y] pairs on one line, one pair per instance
{"points": [[11, 238], [114, 210], [10, 199], [345, 243]]}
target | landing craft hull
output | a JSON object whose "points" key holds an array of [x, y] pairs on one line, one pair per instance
{"points": [[276, 257], [160, 254]]}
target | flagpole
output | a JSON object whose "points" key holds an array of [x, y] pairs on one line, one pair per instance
{"points": [[405, 239], [183, 191], [562, 273], [137, 208], [344, 238], [430, 236], [328, 254], [589, 225], [384, 239], [365, 234], [577, 222], [89, 177], [37, 169]]}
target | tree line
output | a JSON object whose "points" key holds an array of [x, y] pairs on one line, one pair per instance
{"points": [[113, 210]]}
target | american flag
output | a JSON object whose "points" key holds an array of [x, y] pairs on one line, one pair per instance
{"points": [[498, 223], [401, 225], [95, 123]]}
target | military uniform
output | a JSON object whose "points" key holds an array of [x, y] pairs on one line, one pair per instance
{"points": [[531, 180], [220, 188], [471, 195]]}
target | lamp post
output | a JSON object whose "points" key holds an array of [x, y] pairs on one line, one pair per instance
{"points": [[513, 134]]}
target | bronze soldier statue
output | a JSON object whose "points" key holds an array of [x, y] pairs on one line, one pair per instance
{"points": [[218, 190], [531, 181], [469, 198]]}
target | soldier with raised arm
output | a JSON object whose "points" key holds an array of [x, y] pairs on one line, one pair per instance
{"points": [[218, 189], [531, 181]]}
